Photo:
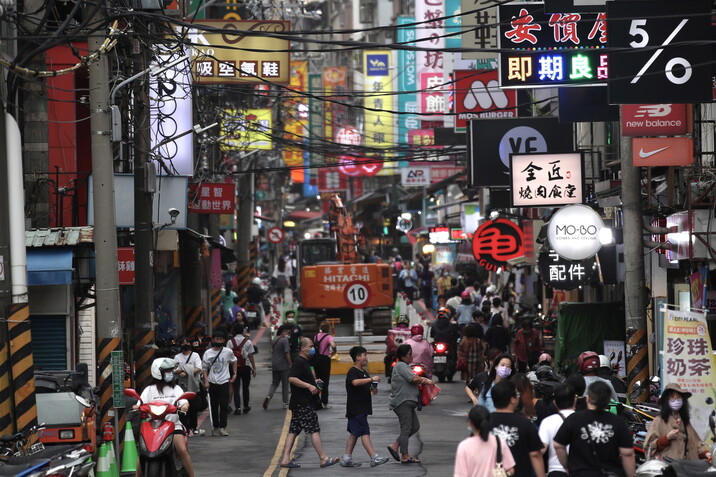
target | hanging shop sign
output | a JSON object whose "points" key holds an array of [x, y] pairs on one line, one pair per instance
{"points": [[430, 37], [497, 241], [573, 232], [378, 124], [478, 96], [335, 111], [125, 265], [247, 130], [662, 151], [562, 274], [407, 80], [212, 198], [687, 360], [654, 120], [331, 180], [479, 29], [415, 176], [440, 235], [654, 54], [229, 51], [544, 50], [491, 141], [546, 179]]}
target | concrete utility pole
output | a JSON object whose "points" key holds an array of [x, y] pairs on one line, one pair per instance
{"points": [[6, 414], [634, 288], [107, 315], [144, 183], [244, 226]]}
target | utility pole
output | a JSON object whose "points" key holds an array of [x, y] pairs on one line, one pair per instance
{"points": [[244, 226], [107, 315], [634, 287], [144, 183], [6, 414]]}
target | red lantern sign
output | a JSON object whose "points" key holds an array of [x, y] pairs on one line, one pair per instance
{"points": [[497, 241]]}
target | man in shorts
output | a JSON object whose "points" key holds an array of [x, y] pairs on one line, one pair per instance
{"points": [[359, 385], [302, 406]]}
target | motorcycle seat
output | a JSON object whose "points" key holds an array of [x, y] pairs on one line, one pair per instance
{"points": [[10, 437], [22, 469]]}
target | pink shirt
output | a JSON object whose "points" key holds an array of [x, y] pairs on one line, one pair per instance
{"points": [[477, 458], [422, 352]]}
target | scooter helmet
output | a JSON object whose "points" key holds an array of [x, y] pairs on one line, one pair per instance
{"points": [[652, 468], [545, 357], [417, 330], [465, 294], [587, 361], [256, 281], [443, 312], [604, 362], [402, 320], [160, 365]]}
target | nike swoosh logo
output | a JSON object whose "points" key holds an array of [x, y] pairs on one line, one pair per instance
{"points": [[643, 154]]}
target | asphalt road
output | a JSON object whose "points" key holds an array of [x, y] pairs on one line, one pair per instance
{"points": [[254, 445]]}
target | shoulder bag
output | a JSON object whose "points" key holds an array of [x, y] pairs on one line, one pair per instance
{"points": [[499, 470], [605, 472]]}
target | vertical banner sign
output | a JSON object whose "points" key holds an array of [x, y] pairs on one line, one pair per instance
{"points": [[479, 29], [315, 122], [407, 82], [378, 117], [296, 109], [335, 82], [453, 25], [687, 360], [117, 360], [659, 53], [430, 62]]}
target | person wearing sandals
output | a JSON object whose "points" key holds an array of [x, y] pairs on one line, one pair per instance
{"points": [[471, 458], [404, 397], [302, 405]]}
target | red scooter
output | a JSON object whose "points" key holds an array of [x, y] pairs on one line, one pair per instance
{"points": [[156, 437]]}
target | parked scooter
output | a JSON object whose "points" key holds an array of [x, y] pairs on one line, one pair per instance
{"points": [[157, 456], [55, 461], [443, 362]]}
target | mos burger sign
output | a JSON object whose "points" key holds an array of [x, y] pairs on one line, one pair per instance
{"points": [[573, 232]]}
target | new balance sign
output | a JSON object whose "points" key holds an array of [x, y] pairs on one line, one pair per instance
{"points": [[654, 119], [415, 176], [478, 95]]}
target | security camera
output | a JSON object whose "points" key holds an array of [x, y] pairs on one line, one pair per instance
{"points": [[173, 214]]}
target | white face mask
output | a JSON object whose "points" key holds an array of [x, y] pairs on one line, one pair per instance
{"points": [[168, 377]]}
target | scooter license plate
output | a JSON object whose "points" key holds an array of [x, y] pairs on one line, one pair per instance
{"points": [[251, 314], [440, 359]]}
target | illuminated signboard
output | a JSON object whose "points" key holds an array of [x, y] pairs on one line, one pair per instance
{"points": [[540, 49], [497, 241], [459, 234], [440, 235], [539, 180]]}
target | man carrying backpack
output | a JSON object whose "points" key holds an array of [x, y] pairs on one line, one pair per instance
{"points": [[243, 350]]}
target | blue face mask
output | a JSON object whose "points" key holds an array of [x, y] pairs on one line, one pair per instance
{"points": [[168, 377], [312, 352]]}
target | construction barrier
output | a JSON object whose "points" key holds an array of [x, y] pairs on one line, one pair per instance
{"points": [[129, 455], [113, 468], [102, 467]]}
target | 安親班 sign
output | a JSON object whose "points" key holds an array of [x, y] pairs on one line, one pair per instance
{"points": [[546, 179], [573, 232], [543, 50], [659, 52], [497, 241]]}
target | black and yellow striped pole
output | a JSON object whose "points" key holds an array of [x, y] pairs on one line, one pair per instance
{"points": [[192, 318], [22, 379], [6, 419], [215, 309]]}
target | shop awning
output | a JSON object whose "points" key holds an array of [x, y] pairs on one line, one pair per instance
{"points": [[49, 266], [304, 216]]}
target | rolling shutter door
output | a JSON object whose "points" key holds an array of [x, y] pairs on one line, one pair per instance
{"points": [[49, 341]]}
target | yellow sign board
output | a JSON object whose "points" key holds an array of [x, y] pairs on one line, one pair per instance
{"points": [[237, 51], [247, 130]]}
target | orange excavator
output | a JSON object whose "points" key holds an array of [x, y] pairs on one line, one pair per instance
{"points": [[333, 281]]}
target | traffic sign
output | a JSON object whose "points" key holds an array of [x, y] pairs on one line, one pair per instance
{"points": [[656, 57], [356, 294], [275, 235], [359, 320], [117, 362]]}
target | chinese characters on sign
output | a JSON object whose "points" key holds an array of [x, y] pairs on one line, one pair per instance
{"points": [[497, 241], [551, 49], [212, 199], [687, 360], [431, 35], [546, 179], [378, 117], [562, 274], [125, 265], [479, 28]]}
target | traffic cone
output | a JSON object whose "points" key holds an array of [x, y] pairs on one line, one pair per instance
{"points": [[129, 456], [102, 468], [113, 470]]}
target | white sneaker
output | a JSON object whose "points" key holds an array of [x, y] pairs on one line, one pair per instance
{"points": [[223, 431], [199, 432], [378, 460], [349, 463]]}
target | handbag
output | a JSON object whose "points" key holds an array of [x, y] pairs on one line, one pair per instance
{"points": [[499, 470], [428, 393]]}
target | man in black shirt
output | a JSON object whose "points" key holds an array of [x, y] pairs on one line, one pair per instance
{"points": [[359, 386], [304, 417], [599, 440], [497, 335], [516, 430]]}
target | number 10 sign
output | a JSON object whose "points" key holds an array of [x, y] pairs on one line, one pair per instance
{"points": [[660, 51], [356, 294]]}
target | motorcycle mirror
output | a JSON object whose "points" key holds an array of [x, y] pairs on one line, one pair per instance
{"points": [[637, 385], [84, 402], [129, 392]]}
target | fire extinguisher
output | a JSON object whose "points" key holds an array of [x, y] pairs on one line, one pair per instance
{"points": [[108, 432]]}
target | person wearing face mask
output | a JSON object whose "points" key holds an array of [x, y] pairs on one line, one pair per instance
{"points": [[215, 366], [444, 282], [164, 388], [504, 367], [527, 346], [477, 455], [671, 433], [189, 375]]}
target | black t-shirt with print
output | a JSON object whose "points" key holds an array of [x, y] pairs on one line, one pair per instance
{"points": [[301, 369], [607, 433], [359, 400], [521, 437]]}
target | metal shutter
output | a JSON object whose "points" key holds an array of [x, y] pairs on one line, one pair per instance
{"points": [[49, 341]]}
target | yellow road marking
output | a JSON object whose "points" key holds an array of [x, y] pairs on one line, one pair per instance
{"points": [[279, 450]]}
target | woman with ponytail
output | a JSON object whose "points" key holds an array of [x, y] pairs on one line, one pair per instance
{"points": [[477, 455]]}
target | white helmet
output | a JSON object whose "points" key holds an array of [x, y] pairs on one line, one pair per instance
{"points": [[651, 468], [162, 364], [256, 281], [604, 362]]}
